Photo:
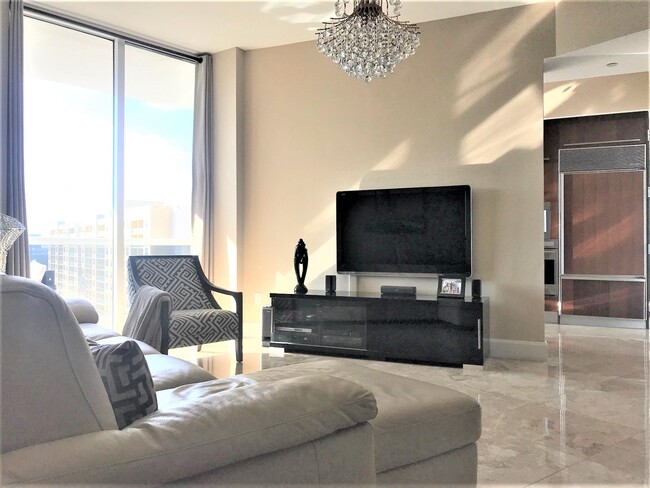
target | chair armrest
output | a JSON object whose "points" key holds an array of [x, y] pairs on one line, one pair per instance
{"points": [[198, 428], [237, 295], [148, 318], [83, 310], [218, 289], [208, 284], [239, 311]]}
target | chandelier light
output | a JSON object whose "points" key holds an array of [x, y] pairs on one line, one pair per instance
{"points": [[369, 42]]}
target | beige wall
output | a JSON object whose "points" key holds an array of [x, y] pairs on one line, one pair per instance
{"points": [[467, 108], [582, 23], [608, 94], [228, 174]]}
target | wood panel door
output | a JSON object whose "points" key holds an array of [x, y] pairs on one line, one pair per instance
{"points": [[604, 223], [601, 163], [603, 272]]}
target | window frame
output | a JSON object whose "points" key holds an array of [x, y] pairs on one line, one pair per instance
{"points": [[120, 41]]}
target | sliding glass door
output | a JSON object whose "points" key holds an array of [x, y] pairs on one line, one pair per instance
{"points": [[69, 159], [158, 124], [108, 145], [158, 153]]}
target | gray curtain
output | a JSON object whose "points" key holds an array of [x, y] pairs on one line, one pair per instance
{"points": [[13, 161], [202, 160]]}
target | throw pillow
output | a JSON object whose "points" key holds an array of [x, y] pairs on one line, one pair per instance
{"points": [[127, 379]]}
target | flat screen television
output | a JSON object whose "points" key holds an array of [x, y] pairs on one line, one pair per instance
{"points": [[424, 230]]}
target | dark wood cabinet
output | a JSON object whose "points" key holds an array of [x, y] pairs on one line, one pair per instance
{"points": [[600, 130], [611, 299], [423, 328], [595, 182]]}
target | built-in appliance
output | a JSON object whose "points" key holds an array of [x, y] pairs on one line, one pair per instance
{"points": [[547, 221], [551, 272], [425, 230], [267, 321]]}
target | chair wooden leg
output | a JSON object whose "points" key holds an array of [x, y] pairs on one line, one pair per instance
{"points": [[239, 352]]}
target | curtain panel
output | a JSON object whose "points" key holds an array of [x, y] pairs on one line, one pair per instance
{"points": [[13, 160], [202, 160]]}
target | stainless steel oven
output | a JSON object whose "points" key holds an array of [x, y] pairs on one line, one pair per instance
{"points": [[551, 272]]}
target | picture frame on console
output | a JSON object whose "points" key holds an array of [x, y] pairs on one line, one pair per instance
{"points": [[451, 287]]}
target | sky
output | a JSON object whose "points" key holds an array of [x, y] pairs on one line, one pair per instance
{"points": [[69, 128]]}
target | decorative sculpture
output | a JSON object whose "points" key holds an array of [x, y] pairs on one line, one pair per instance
{"points": [[300, 257], [10, 230]]}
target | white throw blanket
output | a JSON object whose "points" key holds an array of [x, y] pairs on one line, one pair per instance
{"points": [[144, 320]]}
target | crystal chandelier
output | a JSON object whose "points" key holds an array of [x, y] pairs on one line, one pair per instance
{"points": [[369, 42]]}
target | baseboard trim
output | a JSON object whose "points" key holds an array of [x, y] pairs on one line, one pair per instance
{"points": [[551, 317], [523, 350]]}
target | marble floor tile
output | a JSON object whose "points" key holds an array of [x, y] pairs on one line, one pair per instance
{"points": [[579, 419], [555, 429], [623, 465], [513, 462], [626, 463], [621, 408]]}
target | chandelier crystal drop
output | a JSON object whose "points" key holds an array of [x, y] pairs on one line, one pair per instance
{"points": [[369, 42]]}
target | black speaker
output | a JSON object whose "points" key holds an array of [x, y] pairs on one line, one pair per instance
{"points": [[330, 283], [476, 289], [267, 323]]}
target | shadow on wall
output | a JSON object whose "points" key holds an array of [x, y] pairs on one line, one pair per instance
{"points": [[464, 109]]}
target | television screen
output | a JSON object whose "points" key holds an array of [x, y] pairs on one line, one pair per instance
{"points": [[405, 230]]}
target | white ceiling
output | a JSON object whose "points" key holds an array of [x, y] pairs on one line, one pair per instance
{"points": [[627, 54], [215, 25]]}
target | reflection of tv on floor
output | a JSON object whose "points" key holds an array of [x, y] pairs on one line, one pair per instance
{"points": [[405, 230]]}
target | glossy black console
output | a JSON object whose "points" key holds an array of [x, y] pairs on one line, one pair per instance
{"points": [[413, 328]]}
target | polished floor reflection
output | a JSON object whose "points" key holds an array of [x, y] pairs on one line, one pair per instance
{"points": [[582, 418]]}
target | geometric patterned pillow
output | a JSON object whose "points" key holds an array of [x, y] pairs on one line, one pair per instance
{"points": [[127, 380]]}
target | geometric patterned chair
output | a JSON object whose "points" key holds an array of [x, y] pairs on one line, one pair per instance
{"points": [[195, 318]]}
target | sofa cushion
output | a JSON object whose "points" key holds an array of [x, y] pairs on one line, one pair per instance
{"points": [[144, 347], [126, 377], [83, 310], [170, 372], [102, 335], [416, 420], [96, 332], [200, 428], [166, 371]]}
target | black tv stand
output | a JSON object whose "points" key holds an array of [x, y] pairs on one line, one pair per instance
{"points": [[450, 332]]}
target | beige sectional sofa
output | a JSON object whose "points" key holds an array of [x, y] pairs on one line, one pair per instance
{"points": [[332, 421]]}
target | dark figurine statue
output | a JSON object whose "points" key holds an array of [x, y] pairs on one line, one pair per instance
{"points": [[300, 257]]}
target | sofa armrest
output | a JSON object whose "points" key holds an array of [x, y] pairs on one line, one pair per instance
{"points": [[198, 428], [83, 310]]}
